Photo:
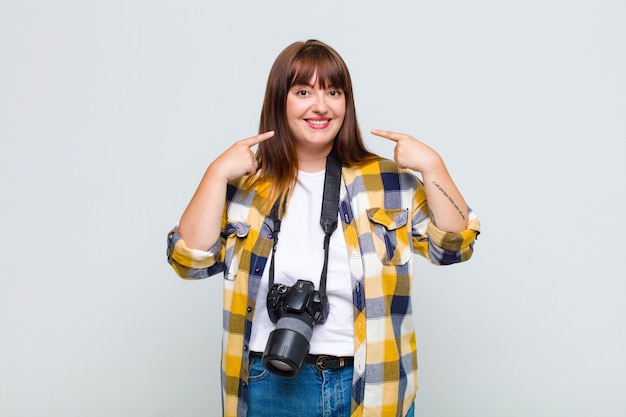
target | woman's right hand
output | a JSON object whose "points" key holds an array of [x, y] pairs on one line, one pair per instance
{"points": [[239, 159], [201, 223]]}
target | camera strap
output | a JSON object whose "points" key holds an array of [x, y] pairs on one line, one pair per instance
{"points": [[328, 217]]}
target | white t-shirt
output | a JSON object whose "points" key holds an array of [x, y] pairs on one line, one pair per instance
{"points": [[300, 255]]}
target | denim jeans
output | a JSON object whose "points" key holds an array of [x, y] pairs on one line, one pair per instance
{"points": [[312, 393]]}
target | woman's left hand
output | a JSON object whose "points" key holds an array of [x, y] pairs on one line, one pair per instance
{"points": [[410, 153], [448, 210]]}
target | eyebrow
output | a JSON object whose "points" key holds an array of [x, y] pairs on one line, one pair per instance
{"points": [[303, 84], [300, 84]]}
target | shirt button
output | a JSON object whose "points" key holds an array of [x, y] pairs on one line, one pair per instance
{"points": [[249, 309], [245, 347], [270, 236], [257, 270], [244, 384]]}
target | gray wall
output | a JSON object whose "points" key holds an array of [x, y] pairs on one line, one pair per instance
{"points": [[110, 112]]}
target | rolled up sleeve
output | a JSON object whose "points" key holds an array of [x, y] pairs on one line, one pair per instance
{"points": [[445, 248], [192, 263]]}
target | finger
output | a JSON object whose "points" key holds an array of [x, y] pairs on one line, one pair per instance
{"points": [[253, 168], [393, 136], [255, 140]]}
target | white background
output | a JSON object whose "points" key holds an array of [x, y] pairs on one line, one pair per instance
{"points": [[110, 112]]}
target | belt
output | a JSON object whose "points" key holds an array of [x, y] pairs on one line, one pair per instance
{"points": [[321, 362], [324, 362]]}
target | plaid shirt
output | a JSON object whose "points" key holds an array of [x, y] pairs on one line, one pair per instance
{"points": [[385, 220]]}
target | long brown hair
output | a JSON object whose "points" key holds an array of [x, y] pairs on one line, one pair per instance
{"points": [[298, 64]]}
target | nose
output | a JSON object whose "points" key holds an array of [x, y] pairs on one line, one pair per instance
{"points": [[320, 103]]}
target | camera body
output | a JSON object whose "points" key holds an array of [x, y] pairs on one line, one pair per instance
{"points": [[300, 300], [295, 310]]}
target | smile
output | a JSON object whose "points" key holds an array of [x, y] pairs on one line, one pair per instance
{"points": [[318, 123]]}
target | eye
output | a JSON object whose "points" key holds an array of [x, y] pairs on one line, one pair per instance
{"points": [[335, 93], [301, 92]]}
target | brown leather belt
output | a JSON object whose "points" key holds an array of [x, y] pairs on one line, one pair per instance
{"points": [[321, 362], [324, 362]]}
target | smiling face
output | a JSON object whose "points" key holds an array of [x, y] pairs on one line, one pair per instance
{"points": [[309, 104], [314, 116]]}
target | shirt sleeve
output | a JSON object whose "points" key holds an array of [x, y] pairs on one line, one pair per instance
{"points": [[193, 263], [445, 248], [437, 246]]}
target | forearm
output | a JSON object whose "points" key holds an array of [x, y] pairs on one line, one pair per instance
{"points": [[201, 223], [447, 207]]}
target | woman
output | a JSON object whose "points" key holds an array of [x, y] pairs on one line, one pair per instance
{"points": [[361, 359]]}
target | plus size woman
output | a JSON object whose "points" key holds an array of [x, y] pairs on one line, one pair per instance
{"points": [[318, 322]]}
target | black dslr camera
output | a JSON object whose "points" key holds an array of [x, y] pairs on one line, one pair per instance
{"points": [[295, 310]]}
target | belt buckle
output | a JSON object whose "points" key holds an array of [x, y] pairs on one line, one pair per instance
{"points": [[319, 363]]}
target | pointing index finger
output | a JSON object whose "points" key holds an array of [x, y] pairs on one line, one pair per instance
{"points": [[393, 136], [255, 140]]}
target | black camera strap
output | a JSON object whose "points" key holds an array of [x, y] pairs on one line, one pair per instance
{"points": [[328, 217]]}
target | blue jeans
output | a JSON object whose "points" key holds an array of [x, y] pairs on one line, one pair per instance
{"points": [[312, 393]]}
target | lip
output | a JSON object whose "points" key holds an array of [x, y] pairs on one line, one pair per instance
{"points": [[318, 122]]}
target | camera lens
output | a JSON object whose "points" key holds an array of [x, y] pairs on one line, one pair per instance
{"points": [[281, 366], [287, 347]]}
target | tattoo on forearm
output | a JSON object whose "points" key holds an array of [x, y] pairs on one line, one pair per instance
{"points": [[450, 199]]}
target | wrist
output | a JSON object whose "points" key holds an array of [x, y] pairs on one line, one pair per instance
{"points": [[216, 173], [434, 167]]}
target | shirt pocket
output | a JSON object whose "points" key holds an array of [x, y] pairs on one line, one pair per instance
{"points": [[390, 233], [236, 234]]}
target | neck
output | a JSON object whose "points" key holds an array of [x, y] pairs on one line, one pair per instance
{"points": [[313, 162], [312, 165]]}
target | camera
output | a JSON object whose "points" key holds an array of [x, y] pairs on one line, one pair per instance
{"points": [[295, 310]]}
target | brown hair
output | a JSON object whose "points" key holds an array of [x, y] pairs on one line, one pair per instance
{"points": [[297, 64]]}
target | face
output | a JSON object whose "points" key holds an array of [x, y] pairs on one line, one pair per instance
{"points": [[314, 116]]}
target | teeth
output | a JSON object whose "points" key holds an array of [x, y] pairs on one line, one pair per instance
{"points": [[317, 122]]}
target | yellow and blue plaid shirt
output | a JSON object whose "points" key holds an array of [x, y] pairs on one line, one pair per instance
{"points": [[385, 220]]}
